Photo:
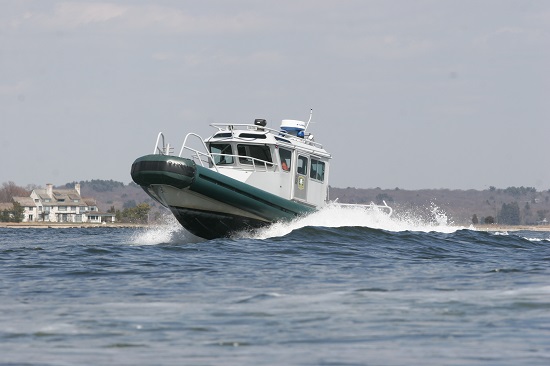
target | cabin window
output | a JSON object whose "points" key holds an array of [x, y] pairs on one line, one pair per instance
{"points": [[222, 154], [317, 170], [258, 152], [302, 165], [252, 136], [286, 157]]}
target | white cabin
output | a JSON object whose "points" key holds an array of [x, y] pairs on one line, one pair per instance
{"points": [[286, 162]]}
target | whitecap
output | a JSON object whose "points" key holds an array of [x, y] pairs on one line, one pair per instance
{"points": [[168, 231], [334, 215]]}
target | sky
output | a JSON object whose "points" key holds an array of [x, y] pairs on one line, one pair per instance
{"points": [[414, 94]]}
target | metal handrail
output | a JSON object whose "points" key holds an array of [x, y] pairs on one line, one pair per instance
{"points": [[160, 151], [165, 149], [206, 157], [371, 205], [255, 162], [198, 154], [230, 127]]}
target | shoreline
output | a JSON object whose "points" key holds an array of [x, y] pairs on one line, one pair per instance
{"points": [[82, 225], [497, 227], [68, 225]]}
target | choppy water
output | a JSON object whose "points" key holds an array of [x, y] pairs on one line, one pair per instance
{"points": [[341, 287]]}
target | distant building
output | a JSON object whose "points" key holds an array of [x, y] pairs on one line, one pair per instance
{"points": [[61, 205]]}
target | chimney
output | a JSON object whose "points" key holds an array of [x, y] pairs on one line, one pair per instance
{"points": [[49, 189], [77, 188]]}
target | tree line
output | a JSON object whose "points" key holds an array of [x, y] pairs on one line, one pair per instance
{"points": [[138, 214], [98, 185], [14, 214], [511, 214], [10, 190], [7, 192]]}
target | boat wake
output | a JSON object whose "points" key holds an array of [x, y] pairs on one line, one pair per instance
{"points": [[169, 231], [335, 215]]}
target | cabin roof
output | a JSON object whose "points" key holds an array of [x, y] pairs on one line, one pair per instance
{"points": [[251, 134]]}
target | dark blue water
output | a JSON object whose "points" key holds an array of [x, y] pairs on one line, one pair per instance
{"points": [[315, 296]]}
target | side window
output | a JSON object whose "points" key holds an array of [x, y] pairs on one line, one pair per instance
{"points": [[286, 157], [222, 153], [258, 152], [302, 165], [241, 151], [317, 170]]}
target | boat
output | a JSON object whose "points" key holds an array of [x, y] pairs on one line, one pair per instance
{"points": [[242, 177]]}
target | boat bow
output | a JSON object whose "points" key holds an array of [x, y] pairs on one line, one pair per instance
{"points": [[163, 169]]}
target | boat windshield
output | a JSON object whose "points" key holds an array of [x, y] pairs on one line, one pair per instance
{"points": [[222, 154], [258, 152]]}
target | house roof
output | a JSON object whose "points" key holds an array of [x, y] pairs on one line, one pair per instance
{"points": [[24, 201], [61, 197], [6, 206], [90, 201], [65, 194]]}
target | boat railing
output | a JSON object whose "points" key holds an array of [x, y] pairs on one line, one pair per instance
{"points": [[307, 139], [204, 158], [384, 208], [162, 147], [256, 165]]}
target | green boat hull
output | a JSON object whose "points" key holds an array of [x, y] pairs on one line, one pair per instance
{"points": [[249, 207]]}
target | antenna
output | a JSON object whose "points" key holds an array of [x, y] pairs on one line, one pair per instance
{"points": [[309, 120]]}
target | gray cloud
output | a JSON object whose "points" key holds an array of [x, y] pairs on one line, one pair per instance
{"points": [[413, 94]]}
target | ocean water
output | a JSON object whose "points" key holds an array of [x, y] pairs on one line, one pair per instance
{"points": [[339, 287]]}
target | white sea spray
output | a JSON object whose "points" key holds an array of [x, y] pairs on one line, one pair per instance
{"points": [[334, 215], [167, 231]]}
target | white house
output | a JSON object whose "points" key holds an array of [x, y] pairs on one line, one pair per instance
{"points": [[61, 205]]}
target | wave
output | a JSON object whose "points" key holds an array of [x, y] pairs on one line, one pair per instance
{"points": [[168, 231], [336, 223], [334, 215], [384, 249]]}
